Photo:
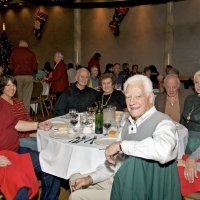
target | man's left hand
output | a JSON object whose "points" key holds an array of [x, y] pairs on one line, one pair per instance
{"points": [[112, 151]]}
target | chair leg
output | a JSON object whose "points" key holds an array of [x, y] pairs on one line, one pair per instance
{"points": [[43, 102], [41, 109]]}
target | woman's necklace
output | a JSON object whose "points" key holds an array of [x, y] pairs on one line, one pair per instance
{"points": [[189, 115], [102, 100]]}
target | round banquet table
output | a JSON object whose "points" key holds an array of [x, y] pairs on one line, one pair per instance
{"points": [[62, 158]]}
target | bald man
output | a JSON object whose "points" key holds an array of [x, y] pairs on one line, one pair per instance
{"points": [[78, 96]]}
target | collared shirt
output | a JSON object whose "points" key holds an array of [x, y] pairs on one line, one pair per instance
{"points": [[162, 147]]}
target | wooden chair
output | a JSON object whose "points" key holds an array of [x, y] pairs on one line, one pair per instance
{"points": [[193, 196], [37, 100]]}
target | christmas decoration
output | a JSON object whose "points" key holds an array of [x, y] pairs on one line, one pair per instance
{"points": [[39, 24], [3, 2], [117, 18], [5, 51]]}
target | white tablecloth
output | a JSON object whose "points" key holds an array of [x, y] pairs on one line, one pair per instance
{"points": [[62, 159]]}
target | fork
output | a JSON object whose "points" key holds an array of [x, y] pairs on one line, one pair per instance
{"points": [[80, 140], [94, 138], [77, 138]]}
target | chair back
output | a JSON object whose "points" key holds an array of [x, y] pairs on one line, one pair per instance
{"points": [[37, 90]]}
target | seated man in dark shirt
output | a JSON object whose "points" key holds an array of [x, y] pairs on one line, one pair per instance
{"points": [[78, 95]]}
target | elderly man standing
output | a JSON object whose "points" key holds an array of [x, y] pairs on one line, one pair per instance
{"points": [[23, 65], [147, 148], [78, 96], [172, 100]]}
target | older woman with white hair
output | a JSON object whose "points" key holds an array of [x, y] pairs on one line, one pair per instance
{"points": [[59, 79], [190, 171]]}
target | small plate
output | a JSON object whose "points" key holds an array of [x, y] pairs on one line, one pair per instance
{"points": [[59, 125], [65, 134], [105, 141]]}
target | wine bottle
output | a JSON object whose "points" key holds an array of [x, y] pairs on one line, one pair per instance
{"points": [[99, 119]]}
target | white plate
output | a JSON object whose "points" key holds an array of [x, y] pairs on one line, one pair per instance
{"points": [[66, 134], [57, 125], [105, 141]]}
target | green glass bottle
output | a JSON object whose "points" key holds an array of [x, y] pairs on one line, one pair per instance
{"points": [[99, 119]]}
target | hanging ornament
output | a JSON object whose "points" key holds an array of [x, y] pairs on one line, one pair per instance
{"points": [[39, 24], [117, 18]]}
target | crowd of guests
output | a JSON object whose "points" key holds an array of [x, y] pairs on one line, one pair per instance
{"points": [[146, 151]]}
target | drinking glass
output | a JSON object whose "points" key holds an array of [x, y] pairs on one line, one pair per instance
{"points": [[74, 120], [72, 112], [107, 124]]}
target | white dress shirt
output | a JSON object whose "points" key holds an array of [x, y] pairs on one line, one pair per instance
{"points": [[162, 147]]}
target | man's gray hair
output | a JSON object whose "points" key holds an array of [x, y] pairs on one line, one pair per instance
{"points": [[175, 76], [148, 86], [59, 54], [82, 69]]}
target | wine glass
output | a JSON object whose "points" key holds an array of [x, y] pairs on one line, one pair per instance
{"points": [[107, 125], [72, 112], [74, 121]]}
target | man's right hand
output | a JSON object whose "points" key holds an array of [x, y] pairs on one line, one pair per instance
{"points": [[81, 182]]}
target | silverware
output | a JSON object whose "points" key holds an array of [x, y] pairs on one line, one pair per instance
{"points": [[88, 140], [94, 138], [77, 138], [80, 140]]}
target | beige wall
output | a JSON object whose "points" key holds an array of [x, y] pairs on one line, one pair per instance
{"points": [[141, 40]]}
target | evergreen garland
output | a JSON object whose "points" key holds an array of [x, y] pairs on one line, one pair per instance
{"points": [[5, 51]]}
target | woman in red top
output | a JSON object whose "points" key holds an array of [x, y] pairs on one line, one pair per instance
{"points": [[9, 84], [59, 79]]}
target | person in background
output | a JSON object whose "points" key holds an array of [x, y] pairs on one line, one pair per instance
{"points": [[154, 75], [134, 70], [190, 118], [23, 65], [71, 73], [125, 71], [43, 73], [59, 79], [94, 78], [147, 71], [78, 96], [109, 95], [95, 60], [119, 78], [172, 100], [168, 68], [9, 126], [146, 154], [109, 68], [8, 86], [48, 69]]}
